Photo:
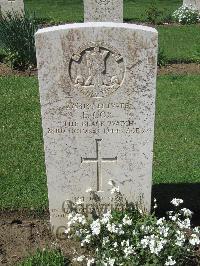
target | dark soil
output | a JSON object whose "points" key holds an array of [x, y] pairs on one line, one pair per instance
{"points": [[175, 69], [180, 69], [21, 235], [7, 71]]}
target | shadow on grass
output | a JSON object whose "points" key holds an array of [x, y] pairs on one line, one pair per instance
{"points": [[190, 193]]}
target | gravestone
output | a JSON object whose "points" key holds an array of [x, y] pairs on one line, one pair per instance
{"points": [[97, 91], [16, 6], [103, 10], [193, 4]]}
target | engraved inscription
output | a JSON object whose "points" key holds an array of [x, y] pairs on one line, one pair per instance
{"points": [[98, 160], [97, 71], [103, 2]]}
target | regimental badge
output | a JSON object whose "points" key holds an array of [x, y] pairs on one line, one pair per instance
{"points": [[97, 71]]}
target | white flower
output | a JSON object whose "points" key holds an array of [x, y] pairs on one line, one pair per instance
{"points": [[180, 239], [126, 220], [111, 262], [140, 211], [185, 224], [76, 218], [128, 251], [170, 261], [196, 230], [121, 232], [89, 190], [105, 240], [106, 217], [186, 212], [164, 231], [155, 204], [90, 262], [144, 242], [79, 202], [160, 221], [114, 190], [115, 245], [111, 228], [96, 227], [80, 258], [154, 243], [111, 183], [194, 240], [176, 202], [146, 229], [86, 240], [123, 243]]}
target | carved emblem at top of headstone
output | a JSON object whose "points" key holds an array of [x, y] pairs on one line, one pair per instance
{"points": [[97, 71]]}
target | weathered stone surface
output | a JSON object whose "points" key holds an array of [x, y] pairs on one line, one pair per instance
{"points": [[16, 6], [193, 4], [97, 88], [103, 10]]}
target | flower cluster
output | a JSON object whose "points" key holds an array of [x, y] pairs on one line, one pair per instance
{"points": [[186, 15], [130, 237]]}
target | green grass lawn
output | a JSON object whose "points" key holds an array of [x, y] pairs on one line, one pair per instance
{"points": [[22, 170], [179, 43], [22, 173], [72, 10], [177, 133]]}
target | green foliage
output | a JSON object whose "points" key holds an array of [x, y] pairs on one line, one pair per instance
{"points": [[2, 55], [46, 258], [153, 14], [17, 39], [162, 58], [157, 15], [196, 55], [167, 17]]}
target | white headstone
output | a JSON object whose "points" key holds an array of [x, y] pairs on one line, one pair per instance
{"points": [[16, 6], [103, 10], [193, 4], [97, 88]]}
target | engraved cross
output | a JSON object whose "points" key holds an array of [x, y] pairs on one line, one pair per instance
{"points": [[98, 160]]}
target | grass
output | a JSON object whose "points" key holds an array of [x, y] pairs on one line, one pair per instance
{"points": [[180, 43], [46, 258], [177, 141], [135, 10], [72, 10], [22, 170]]}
